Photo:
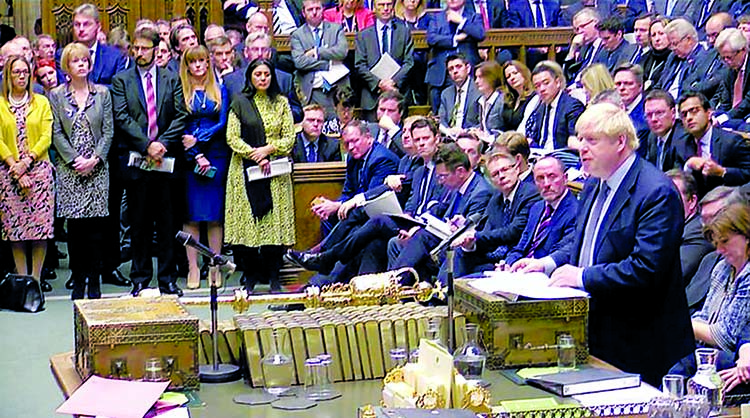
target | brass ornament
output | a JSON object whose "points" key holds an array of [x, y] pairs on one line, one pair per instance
{"points": [[431, 400]]}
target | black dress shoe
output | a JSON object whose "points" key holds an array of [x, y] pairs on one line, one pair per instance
{"points": [[48, 274], [46, 287], [305, 260], [116, 278], [170, 289], [137, 287], [70, 284]]}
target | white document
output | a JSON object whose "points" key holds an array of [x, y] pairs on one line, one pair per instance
{"points": [[385, 204], [436, 226], [278, 167], [641, 394], [530, 285], [137, 160], [385, 68], [334, 73]]}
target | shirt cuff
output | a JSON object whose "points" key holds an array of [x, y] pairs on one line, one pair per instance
{"points": [[359, 199], [549, 265], [721, 119]]}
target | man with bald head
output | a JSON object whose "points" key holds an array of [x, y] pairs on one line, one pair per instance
{"points": [[625, 252]]}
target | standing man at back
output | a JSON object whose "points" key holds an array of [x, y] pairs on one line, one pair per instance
{"points": [[149, 113]]}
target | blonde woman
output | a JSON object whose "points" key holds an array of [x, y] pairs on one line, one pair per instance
{"points": [[27, 192], [82, 134], [595, 79], [207, 153]]}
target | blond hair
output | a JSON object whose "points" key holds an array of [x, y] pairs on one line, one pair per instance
{"points": [[209, 83], [74, 50], [611, 121]]}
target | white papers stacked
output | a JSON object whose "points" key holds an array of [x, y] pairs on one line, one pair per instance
{"points": [[530, 285], [278, 167]]}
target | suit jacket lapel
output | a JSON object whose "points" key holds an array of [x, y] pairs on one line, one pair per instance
{"points": [[161, 87], [587, 201], [620, 199], [136, 76]]}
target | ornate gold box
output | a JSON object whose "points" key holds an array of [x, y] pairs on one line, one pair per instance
{"points": [[115, 337], [524, 333]]}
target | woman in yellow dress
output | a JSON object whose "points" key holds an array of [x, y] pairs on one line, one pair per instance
{"points": [[259, 215]]}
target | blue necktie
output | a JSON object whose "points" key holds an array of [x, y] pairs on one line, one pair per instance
{"points": [[539, 15], [318, 38], [660, 154], [588, 236], [454, 205], [384, 41], [312, 156]]}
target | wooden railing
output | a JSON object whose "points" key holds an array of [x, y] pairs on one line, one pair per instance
{"points": [[494, 38]]}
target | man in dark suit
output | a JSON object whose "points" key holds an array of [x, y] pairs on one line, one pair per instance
{"points": [[316, 46], [533, 13], [387, 35], [504, 220], [734, 93], [554, 119], [629, 83], [641, 31], [222, 56], [626, 11], [492, 12], [361, 239], [106, 60], [552, 220], [455, 30], [466, 194], [615, 50], [715, 156], [367, 166], [665, 132], [387, 130], [181, 38], [625, 252], [311, 146], [585, 45], [258, 45], [459, 102], [694, 244], [149, 113]]}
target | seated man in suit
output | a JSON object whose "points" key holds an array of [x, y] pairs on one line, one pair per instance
{"points": [[155, 133], [688, 66], [641, 31], [368, 165], [665, 132], [387, 129], [346, 242], [615, 49], [715, 156], [554, 119], [316, 47], [106, 61], [387, 35], [258, 45], [533, 14], [585, 45], [504, 220], [457, 29], [694, 244], [552, 220], [625, 249], [459, 102], [311, 146], [466, 194], [733, 100], [629, 83]]}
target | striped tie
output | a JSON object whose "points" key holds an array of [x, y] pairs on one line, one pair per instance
{"points": [[542, 230], [151, 108]]}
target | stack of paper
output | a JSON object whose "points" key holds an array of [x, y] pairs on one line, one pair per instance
{"points": [[530, 285]]}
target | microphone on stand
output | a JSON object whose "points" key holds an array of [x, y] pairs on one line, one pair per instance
{"points": [[216, 259]]}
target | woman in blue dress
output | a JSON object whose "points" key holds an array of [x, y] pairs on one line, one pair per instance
{"points": [[206, 149]]}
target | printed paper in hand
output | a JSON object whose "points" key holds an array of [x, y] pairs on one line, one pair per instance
{"points": [[385, 204], [335, 73], [113, 398], [385, 68], [278, 168]]}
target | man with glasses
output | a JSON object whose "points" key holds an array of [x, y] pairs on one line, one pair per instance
{"points": [[585, 44], [733, 97], [149, 116], [665, 131], [258, 45], [387, 36], [715, 156], [629, 83]]}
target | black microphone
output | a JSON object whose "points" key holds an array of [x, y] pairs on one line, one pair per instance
{"points": [[217, 259]]}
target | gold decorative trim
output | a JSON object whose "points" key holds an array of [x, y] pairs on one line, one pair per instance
{"points": [[430, 400]]}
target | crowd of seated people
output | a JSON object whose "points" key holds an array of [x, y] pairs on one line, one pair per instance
{"points": [[155, 131]]}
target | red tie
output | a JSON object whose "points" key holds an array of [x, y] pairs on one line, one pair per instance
{"points": [[737, 96], [151, 108], [483, 12]]}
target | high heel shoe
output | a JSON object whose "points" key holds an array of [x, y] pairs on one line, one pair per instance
{"points": [[193, 279], [214, 276]]}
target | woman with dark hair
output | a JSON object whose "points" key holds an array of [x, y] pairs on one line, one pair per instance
{"points": [[83, 130], [518, 91], [488, 80], [655, 59], [259, 214], [206, 149], [27, 189]]}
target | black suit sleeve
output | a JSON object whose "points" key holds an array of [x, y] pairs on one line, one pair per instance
{"points": [[136, 138]]}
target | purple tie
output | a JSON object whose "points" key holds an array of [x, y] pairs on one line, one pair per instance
{"points": [[542, 230], [151, 108]]}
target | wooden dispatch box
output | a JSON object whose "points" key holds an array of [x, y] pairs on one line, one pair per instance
{"points": [[524, 333], [115, 337]]}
